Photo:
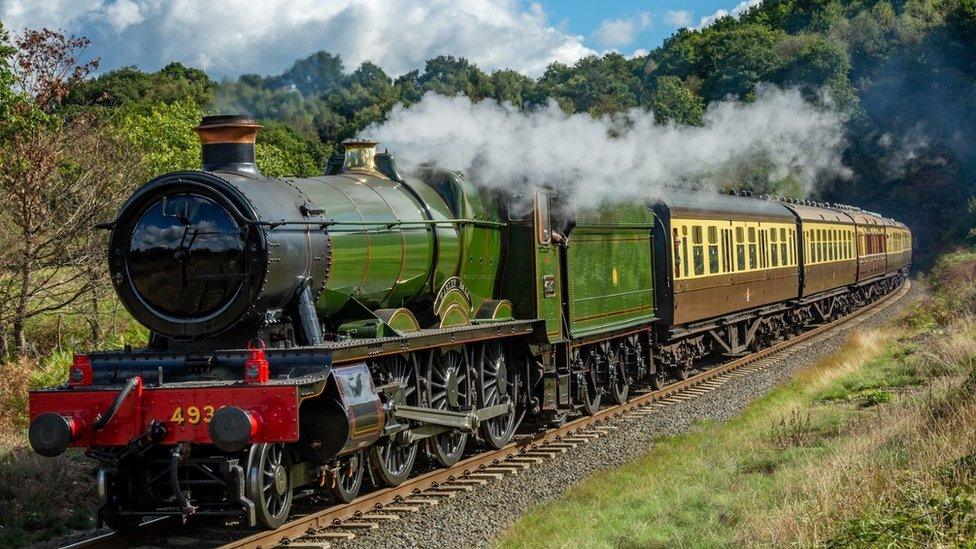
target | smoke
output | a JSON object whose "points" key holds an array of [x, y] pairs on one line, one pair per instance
{"points": [[628, 155]]}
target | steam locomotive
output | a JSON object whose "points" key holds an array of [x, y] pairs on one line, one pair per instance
{"points": [[309, 332]]}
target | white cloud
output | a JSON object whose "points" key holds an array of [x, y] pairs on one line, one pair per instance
{"points": [[680, 18], [230, 37], [621, 32], [123, 14], [738, 10]]}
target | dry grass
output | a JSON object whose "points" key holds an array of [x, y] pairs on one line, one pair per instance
{"points": [[15, 378], [41, 498], [904, 449], [898, 453]]}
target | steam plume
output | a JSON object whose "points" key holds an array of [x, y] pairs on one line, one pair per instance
{"points": [[621, 156]]}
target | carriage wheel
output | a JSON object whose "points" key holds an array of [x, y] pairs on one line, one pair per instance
{"points": [[269, 483], [497, 383], [682, 371], [349, 477], [449, 388], [390, 459], [658, 380], [588, 390], [619, 353]]}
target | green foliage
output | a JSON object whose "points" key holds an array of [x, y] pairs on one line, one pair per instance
{"points": [[163, 133], [598, 85], [281, 152], [173, 83], [875, 397], [672, 101], [943, 519], [6, 73]]}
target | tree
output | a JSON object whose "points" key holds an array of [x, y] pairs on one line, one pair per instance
{"points": [[598, 85], [671, 100], [47, 66], [282, 152], [163, 135], [174, 82], [58, 181], [314, 75], [59, 177]]}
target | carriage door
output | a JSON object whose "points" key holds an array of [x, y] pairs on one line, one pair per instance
{"points": [[548, 281]]}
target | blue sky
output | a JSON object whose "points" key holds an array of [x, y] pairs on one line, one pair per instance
{"points": [[230, 37], [584, 17]]}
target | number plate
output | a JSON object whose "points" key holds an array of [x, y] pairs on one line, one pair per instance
{"points": [[193, 414]]}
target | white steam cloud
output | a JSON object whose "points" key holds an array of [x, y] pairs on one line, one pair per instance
{"points": [[629, 155]]}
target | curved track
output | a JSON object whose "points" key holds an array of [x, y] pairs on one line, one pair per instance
{"points": [[341, 522]]}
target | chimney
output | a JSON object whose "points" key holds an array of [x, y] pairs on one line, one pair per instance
{"points": [[228, 143]]}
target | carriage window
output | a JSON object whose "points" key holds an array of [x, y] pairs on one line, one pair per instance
{"points": [[684, 249], [698, 250], [774, 252], [740, 248], [753, 253], [677, 252], [792, 247], [713, 263]]}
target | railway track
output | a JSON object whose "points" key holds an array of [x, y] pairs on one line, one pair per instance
{"points": [[343, 522]]}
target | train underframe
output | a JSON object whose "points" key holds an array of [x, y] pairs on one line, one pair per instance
{"points": [[440, 403]]}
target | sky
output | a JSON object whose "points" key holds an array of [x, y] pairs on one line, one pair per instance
{"points": [[232, 37]]}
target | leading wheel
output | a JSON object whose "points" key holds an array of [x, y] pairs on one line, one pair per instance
{"points": [[269, 483], [390, 459], [113, 487], [349, 477], [497, 383], [449, 388]]}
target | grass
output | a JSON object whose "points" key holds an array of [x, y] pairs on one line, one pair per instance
{"points": [[42, 498], [872, 446]]}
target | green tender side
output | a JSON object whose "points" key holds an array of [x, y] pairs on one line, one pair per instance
{"points": [[610, 269]]}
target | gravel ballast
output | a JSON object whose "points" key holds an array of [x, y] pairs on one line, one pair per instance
{"points": [[476, 518]]}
